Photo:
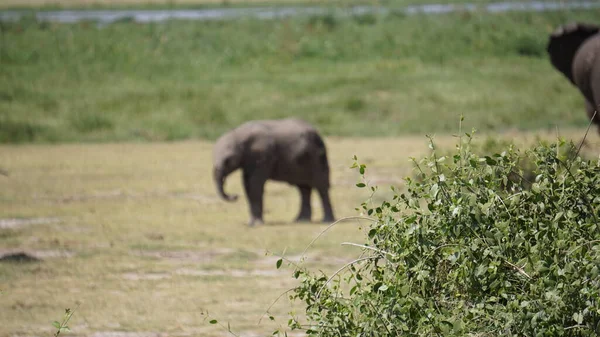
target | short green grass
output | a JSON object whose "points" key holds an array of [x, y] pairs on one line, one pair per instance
{"points": [[157, 4], [144, 245], [361, 76]]}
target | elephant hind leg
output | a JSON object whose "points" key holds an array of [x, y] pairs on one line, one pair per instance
{"points": [[327, 209], [305, 209]]}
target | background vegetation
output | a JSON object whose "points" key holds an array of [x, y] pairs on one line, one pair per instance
{"points": [[176, 80], [154, 4]]}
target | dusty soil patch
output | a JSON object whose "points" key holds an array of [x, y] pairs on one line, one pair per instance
{"points": [[126, 334], [229, 272], [16, 223], [260, 334], [200, 272], [38, 254], [139, 277], [119, 194], [325, 259], [185, 255]]}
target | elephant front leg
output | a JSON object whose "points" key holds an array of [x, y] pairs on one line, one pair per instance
{"points": [[327, 209], [305, 209], [254, 186]]}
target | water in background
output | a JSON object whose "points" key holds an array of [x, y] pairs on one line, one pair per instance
{"points": [[109, 16]]}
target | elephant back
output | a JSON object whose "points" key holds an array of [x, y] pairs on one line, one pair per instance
{"points": [[586, 68], [302, 154], [564, 44]]}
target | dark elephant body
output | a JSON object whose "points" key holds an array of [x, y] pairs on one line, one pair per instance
{"points": [[287, 150], [574, 50]]}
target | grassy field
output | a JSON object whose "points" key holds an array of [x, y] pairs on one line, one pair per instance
{"points": [[135, 235], [76, 4], [361, 76]]}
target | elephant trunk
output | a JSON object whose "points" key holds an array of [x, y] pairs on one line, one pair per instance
{"points": [[219, 177]]}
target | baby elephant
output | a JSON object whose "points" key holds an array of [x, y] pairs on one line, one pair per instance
{"points": [[288, 150], [574, 50]]}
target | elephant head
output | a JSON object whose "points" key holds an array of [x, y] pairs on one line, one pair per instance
{"points": [[565, 41], [227, 157]]}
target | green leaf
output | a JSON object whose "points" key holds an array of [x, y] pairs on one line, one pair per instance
{"points": [[278, 264], [360, 185], [490, 161], [445, 327], [213, 321], [383, 288], [405, 289], [372, 232], [56, 324]]}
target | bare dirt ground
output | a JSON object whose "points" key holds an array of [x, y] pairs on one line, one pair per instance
{"points": [[134, 237]]}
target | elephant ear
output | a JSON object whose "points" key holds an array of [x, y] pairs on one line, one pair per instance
{"points": [[564, 43]]}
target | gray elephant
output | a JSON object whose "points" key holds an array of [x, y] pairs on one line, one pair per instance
{"points": [[288, 150], [574, 50]]}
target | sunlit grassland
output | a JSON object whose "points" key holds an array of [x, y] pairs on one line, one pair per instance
{"points": [[152, 4], [361, 76], [143, 244]]}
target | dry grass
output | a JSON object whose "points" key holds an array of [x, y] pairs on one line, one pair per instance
{"points": [[145, 246]]}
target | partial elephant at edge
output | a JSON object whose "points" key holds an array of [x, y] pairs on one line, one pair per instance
{"points": [[574, 50], [288, 150]]}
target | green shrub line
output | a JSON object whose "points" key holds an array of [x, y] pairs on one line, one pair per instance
{"points": [[463, 251], [181, 80]]}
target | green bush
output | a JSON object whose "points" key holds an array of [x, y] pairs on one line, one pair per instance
{"points": [[87, 122], [19, 131], [459, 254]]}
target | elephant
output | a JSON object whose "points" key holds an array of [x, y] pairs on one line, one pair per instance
{"points": [[287, 150], [574, 50]]}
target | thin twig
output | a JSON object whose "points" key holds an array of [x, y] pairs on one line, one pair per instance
{"points": [[583, 196], [228, 327], [586, 133], [437, 169], [445, 245], [576, 326], [272, 304], [333, 224], [384, 325], [68, 314], [519, 269], [502, 201], [587, 243], [344, 267], [368, 247], [282, 256]]}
